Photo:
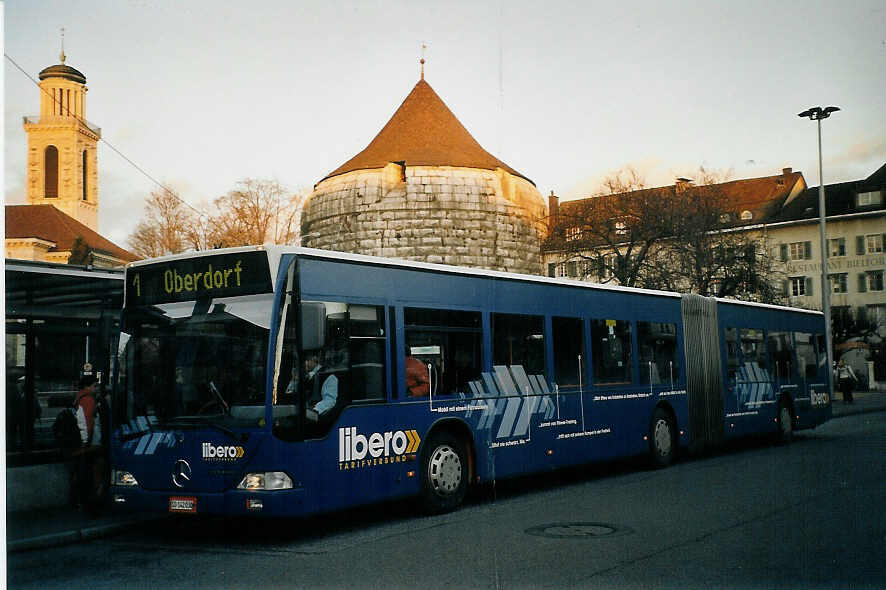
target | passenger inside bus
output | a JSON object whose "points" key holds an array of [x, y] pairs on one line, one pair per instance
{"points": [[418, 381]]}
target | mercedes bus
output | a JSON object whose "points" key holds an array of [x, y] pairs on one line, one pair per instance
{"points": [[290, 381]]}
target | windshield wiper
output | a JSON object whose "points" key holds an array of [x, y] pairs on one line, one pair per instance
{"points": [[218, 396]]}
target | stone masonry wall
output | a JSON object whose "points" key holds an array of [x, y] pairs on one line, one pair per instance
{"points": [[460, 216]]}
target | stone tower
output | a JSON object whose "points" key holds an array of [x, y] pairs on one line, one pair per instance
{"points": [[62, 157], [425, 190]]}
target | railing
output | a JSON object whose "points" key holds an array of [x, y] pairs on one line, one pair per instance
{"points": [[35, 120]]}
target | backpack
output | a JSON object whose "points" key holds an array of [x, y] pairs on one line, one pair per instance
{"points": [[66, 431]]}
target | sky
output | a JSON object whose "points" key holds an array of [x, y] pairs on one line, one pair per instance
{"points": [[201, 94]]}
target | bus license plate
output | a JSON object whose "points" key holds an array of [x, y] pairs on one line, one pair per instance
{"points": [[179, 504]]}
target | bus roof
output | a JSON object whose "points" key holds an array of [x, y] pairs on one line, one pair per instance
{"points": [[275, 253]]}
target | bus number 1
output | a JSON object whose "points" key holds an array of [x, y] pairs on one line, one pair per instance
{"points": [[138, 285]]}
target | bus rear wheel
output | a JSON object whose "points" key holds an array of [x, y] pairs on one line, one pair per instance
{"points": [[444, 473], [785, 423], [662, 439]]}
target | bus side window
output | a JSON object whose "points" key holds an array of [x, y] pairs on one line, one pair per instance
{"points": [[732, 358], [753, 350], [659, 357], [519, 340], [807, 364], [367, 351], [569, 344], [781, 349], [442, 352], [611, 347]]}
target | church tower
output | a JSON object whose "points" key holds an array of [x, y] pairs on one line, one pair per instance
{"points": [[62, 155]]}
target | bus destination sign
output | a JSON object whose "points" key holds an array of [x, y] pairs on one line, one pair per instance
{"points": [[200, 277]]}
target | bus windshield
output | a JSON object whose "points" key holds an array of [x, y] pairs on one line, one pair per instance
{"points": [[195, 360]]}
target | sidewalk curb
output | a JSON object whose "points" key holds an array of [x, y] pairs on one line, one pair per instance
{"points": [[858, 411], [87, 533]]}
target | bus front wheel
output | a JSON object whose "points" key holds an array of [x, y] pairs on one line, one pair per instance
{"points": [[662, 439], [444, 473]]}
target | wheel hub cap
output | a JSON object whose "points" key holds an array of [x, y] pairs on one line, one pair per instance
{"points": [[444, 470], [662, 437]]}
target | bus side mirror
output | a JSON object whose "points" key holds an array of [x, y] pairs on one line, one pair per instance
{"points": [[313, 325]]}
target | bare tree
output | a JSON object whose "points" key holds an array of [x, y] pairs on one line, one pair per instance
{"points": [[166, 227], [710, 252], [684, 237], [257, 212], [614, 235]]}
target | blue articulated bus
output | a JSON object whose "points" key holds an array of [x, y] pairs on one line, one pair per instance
{"points": [[289, 381]]}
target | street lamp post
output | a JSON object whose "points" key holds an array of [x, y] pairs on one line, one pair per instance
{"points": [[817, 114]]}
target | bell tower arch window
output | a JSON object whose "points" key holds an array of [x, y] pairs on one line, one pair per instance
{"points": [[85, 176], [50, 172]]}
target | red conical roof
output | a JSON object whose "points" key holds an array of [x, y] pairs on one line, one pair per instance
{"points": [[423, 132]]}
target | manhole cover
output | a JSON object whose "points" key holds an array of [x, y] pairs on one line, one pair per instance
{"points": [[578, 530]]}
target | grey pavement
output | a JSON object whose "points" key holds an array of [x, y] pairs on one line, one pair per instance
{"points": [[50, 527]]}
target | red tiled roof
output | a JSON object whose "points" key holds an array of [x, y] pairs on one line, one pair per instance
{"points": [[763, 197], [48, 223], [423, 132]]}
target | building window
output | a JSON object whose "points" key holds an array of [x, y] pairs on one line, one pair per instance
{"points": [[877, 314], [50, 172], [800, 250], [552, 269], [561, 270], [746, 215], [621, 228], [799, 286], [875, 280], [837, 247], [839, 282], [85, 170], [573, 233], [870, 198], [873, 243]]}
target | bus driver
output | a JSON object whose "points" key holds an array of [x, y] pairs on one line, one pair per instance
{"points": [[322, 398]]}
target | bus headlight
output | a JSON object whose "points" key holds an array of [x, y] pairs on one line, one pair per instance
{"points": [[268, 480], [123, 478]]}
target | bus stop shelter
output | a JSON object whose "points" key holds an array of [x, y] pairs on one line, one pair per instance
{"points": [[59, 319]]}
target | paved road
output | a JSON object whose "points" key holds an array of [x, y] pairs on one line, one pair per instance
{"points": [[810, 515]]}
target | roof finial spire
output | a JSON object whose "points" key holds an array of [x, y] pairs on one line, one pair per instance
{"points": [[62, 56], [422, 61]]}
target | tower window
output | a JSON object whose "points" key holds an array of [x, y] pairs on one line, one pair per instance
{"points": [[50, 172], [85, 192]]}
